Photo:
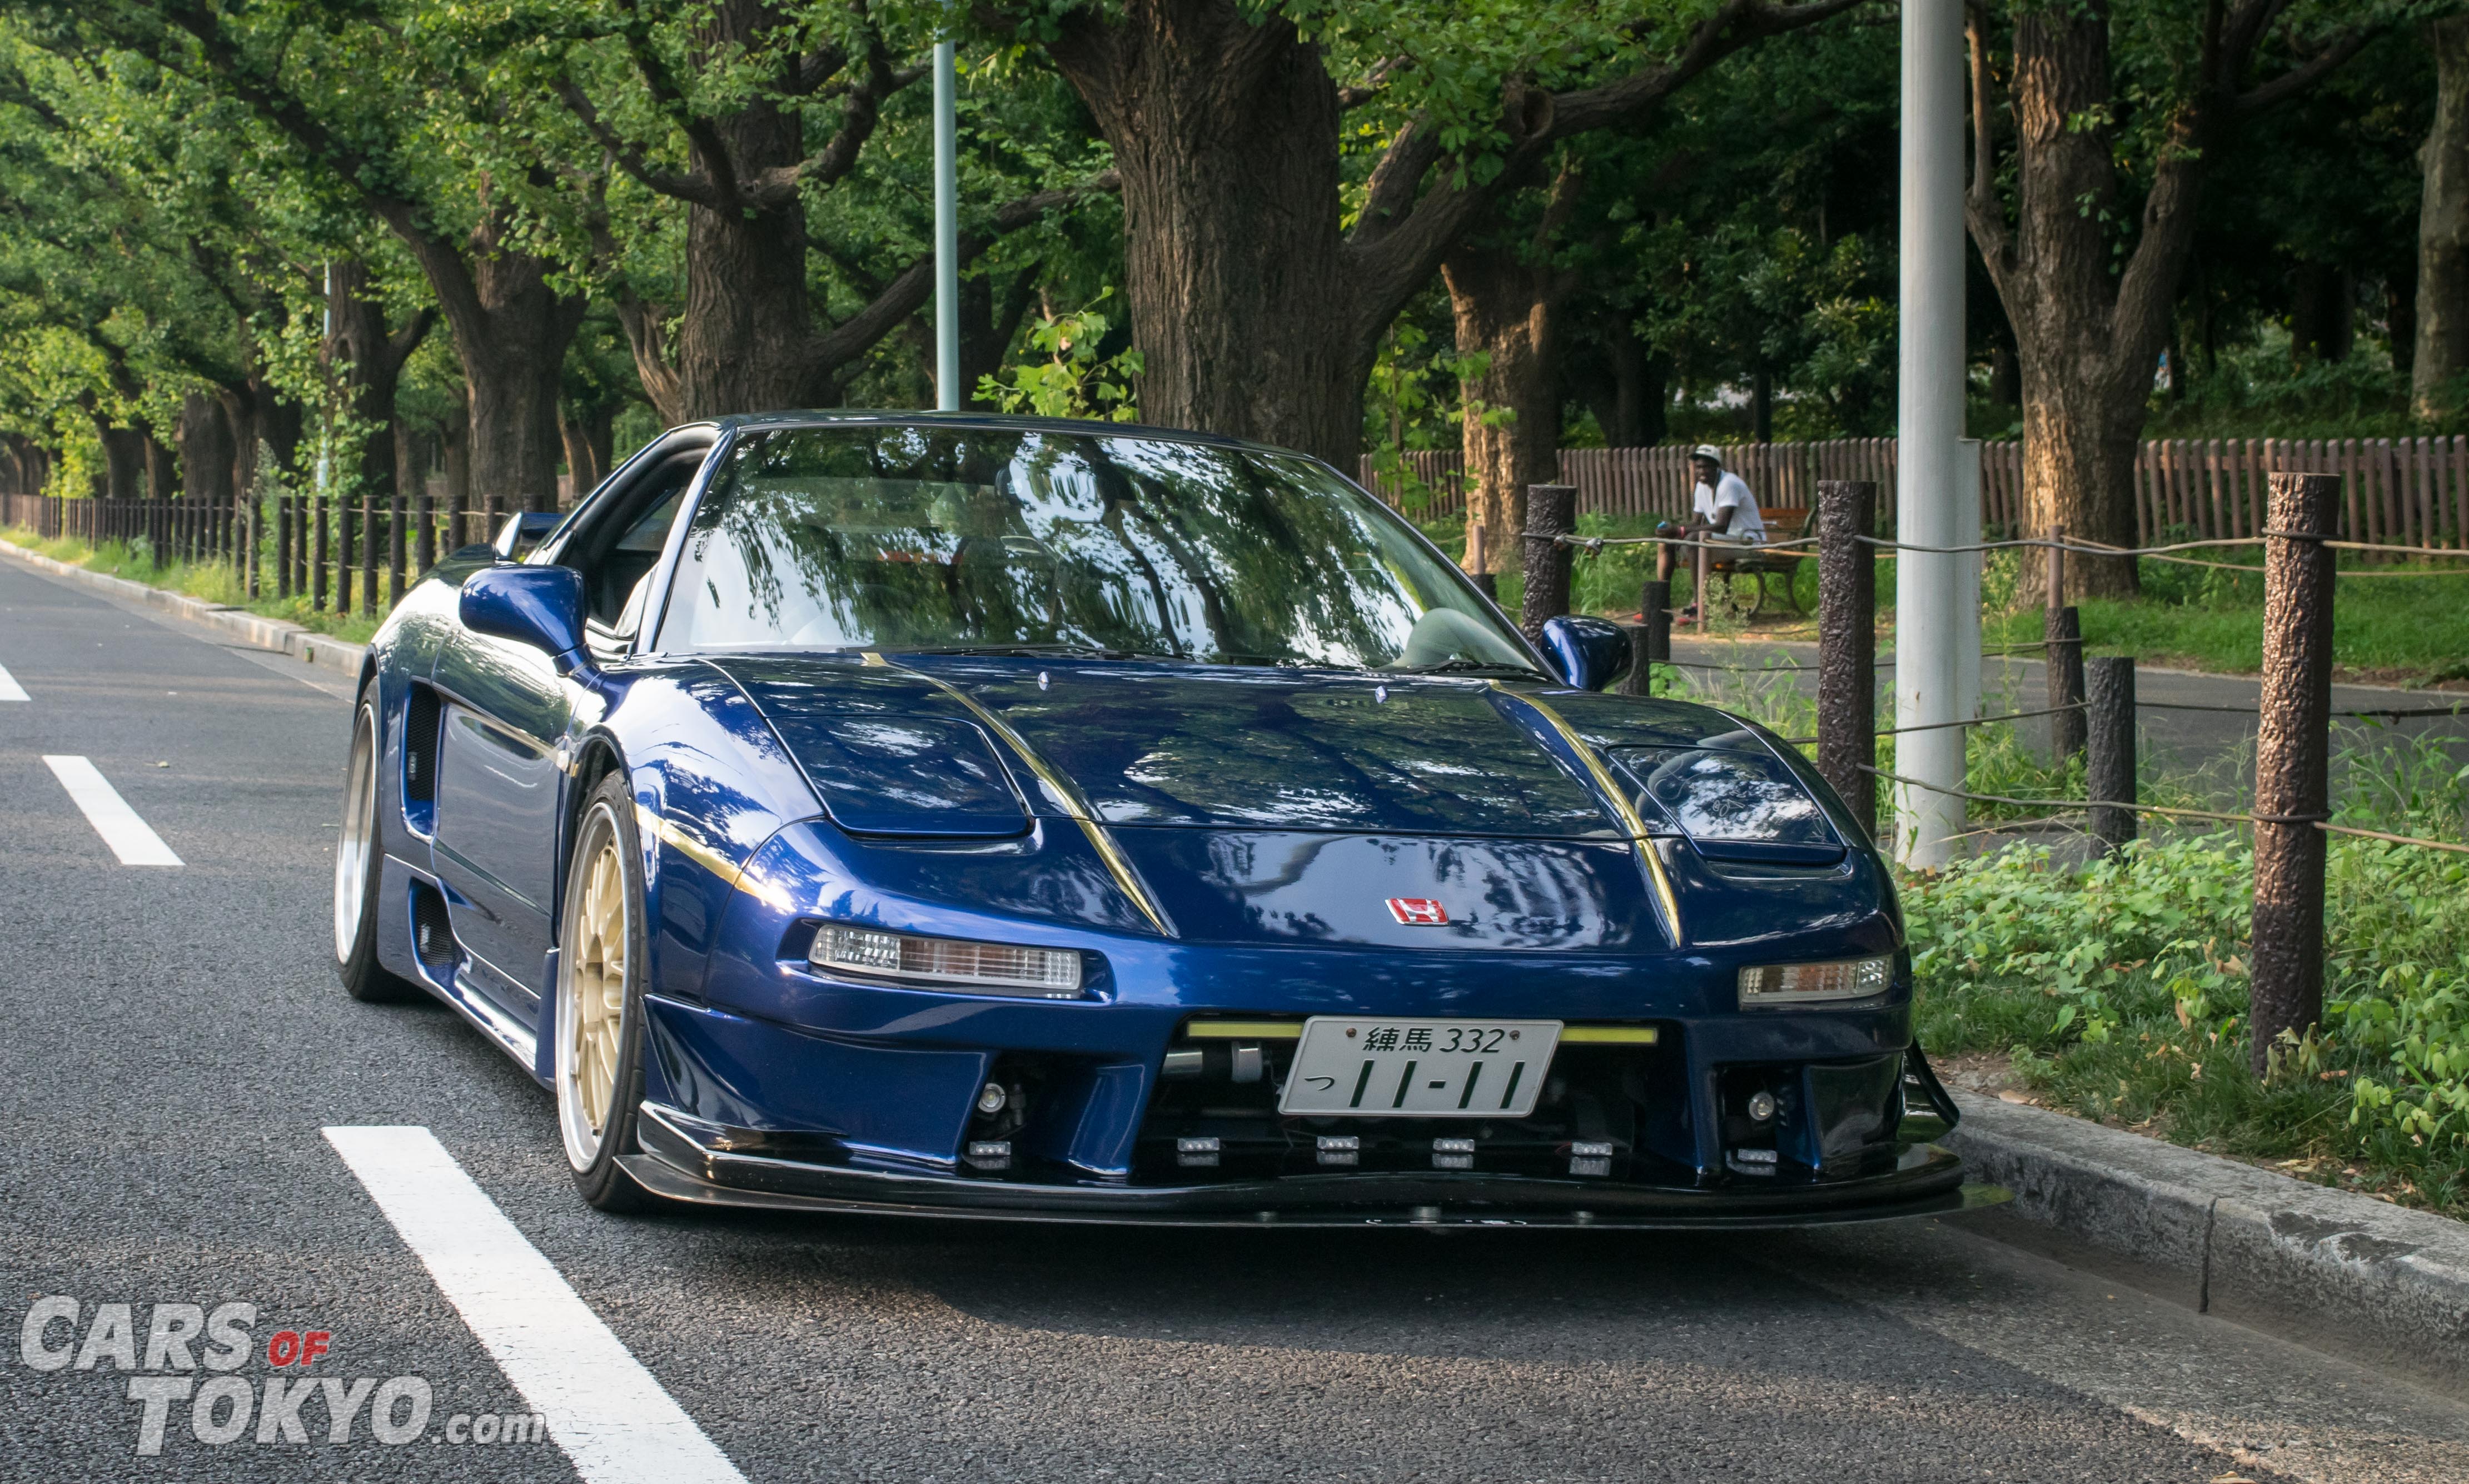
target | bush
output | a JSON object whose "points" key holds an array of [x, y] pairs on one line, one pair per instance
{"points": [[2120, 988]]}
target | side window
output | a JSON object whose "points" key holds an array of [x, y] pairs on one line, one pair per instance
{"points": [[616, 564]]}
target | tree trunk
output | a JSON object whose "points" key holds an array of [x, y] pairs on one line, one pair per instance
{"points": [[580, 465], [2088, 323], [1226, 136], [458, 478], [370, 363], [162, 476], [2442, 344], [1505, 309], [511, 332], [206, 452], [746, 343], [2321, 317], [988, 321], [2087, 355], [124, 461]]}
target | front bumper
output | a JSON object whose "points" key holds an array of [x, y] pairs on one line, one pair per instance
{"points": [[684, 1160]]}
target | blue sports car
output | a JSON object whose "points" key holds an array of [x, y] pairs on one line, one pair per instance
{"points": [[998, 817]]}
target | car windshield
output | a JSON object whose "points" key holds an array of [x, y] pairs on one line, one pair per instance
{"points": [[967, 539]]}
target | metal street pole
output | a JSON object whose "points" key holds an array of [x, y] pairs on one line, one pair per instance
{"points": [[947, 234], [1929, 588]]}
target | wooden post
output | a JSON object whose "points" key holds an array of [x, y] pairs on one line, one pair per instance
{"points": [[1702, 571], [370, 535], [1847, 645], [283, 545], [427, 551], [2064, 662], [344, 532], [2110, 759], [2061, 656], [1551, 512], [2292, 763], [394, 547], [250, 520], [1653, 635]]}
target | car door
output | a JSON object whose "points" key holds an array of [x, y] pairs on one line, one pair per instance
{"points": [[501, 768], [505, 716]]}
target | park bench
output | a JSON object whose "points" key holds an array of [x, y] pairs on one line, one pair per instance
{"points": [[1744, 600]]}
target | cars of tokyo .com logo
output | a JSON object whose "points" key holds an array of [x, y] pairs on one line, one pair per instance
{"points": [[185, 1359]]}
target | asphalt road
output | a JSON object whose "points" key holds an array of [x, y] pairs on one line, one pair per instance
{"points": [[175, 1041]]}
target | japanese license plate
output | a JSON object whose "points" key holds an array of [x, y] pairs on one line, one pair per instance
{"points": [[1391, 1068]]}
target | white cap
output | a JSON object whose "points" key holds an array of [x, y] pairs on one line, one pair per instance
{"points": [[1709, 453]]}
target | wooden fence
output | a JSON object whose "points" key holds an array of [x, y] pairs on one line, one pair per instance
{"points": [[2400, 491]]}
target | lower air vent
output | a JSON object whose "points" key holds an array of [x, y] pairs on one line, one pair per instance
{"points": [[420, 747], [432, 932]]}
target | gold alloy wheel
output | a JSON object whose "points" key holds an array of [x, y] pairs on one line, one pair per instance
{"points": [[592, 1008]]}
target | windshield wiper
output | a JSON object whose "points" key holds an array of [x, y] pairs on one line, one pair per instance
{"points": [[1470, 666], [1075, 651]]}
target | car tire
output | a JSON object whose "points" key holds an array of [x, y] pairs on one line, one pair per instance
{"points": [[599, 1010], [359, 852]]}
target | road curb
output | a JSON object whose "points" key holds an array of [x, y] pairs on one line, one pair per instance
{"points": [[282, 636], [2392, 1283]]}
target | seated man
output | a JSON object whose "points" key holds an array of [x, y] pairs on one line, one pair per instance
{"points": [[1724, 511]]}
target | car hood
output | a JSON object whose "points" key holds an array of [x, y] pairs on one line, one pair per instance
{"points": [[910, 746]]}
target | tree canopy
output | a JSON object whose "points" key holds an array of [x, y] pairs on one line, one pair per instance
{"points": [[503, 243]]}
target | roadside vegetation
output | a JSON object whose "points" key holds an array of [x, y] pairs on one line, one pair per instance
{"points": [[215, 582], [2116, 991]]}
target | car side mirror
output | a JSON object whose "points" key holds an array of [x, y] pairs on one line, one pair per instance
{"points": [[539, 606], [1589, 653]]}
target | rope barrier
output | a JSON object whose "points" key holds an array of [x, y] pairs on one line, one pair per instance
{"points": [[1977, 721], [2319, 822], [1594, 545], [2389, 714]]}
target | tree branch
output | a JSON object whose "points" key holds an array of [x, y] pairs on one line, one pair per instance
{"points": [[839, 154], [694, 188], [2335, 55], [907, 290], [1398, 241], [1982, 211]]}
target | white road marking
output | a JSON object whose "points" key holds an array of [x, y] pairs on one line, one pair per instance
{"points": [[128, 836], [10, 689], [612, 1416]]}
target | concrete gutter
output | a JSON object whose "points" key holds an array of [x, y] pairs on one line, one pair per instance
{"points": [[2384, 1283], [312, 647]]}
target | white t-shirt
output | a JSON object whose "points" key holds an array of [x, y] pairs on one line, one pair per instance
{"points": [[1731, 493]]}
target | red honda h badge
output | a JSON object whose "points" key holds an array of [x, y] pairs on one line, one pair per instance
{"points": [[1418, 912]]}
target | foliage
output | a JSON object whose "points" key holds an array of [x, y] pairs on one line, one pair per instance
{"points": [[2118, 988], [1075, 379]]}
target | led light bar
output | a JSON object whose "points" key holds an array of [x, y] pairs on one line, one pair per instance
{"points": [[995, 968], [1792, 983]]}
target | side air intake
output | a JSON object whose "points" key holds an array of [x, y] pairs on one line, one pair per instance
{"points": [[420, 749], [432, 932]]}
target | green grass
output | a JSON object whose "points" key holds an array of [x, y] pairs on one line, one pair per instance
{"points": [[2118, 991], [215, 582]]}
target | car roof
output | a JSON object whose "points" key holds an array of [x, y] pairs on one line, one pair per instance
{"points": [[989, 421]]}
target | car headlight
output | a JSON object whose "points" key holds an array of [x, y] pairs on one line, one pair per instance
{"points": [[995, 968], [1790, 984]]}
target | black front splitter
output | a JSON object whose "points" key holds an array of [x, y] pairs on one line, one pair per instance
{"points": [[1927, 1181]]}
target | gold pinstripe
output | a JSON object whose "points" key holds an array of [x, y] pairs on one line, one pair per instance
{"points": [[1667, 904], [1064, 794]]}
